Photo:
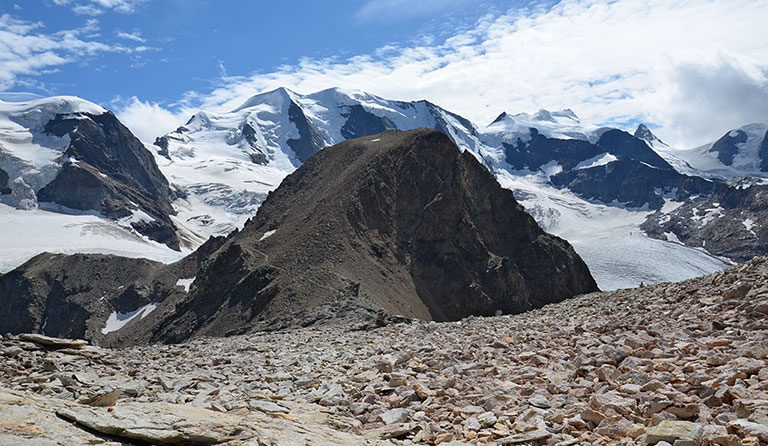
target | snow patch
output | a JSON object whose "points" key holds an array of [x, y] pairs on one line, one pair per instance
{"points": [[598, 160], [186, 283], [551, 168], [709, 215], [672, 237], [268, 234], [749, 224], [117, 320]]}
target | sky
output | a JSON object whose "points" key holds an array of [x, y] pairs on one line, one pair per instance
{"points": [[690, 69]]}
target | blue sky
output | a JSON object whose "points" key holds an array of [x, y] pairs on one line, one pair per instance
{"points": [[691, 69], [161, 49]]}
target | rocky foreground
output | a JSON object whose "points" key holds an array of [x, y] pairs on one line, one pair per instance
{"points": [[670, 364]]}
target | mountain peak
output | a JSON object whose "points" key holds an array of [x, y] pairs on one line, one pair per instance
{"points": [[275, 97], [644, 133]]}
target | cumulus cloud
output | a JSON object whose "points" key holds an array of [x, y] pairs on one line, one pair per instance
{"points": [[613, 62], [148, 120], [24, 51]]}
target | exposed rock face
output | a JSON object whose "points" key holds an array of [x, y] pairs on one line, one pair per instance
{"points": [[60, 294], [632, 183], [682, 363], [363, 123], [533, 154], [421, 229], [4, 189], [309, 141], [73, 296], [631, 174], [626, 146], [726, 147], [730, 223], [110, 171]]}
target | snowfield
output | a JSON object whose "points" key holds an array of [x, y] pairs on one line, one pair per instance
{"points": [[26, 234]]}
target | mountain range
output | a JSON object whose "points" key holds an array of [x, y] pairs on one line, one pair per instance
{"points": [[609, 192]]}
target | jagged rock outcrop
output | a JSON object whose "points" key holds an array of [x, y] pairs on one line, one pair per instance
{"points": [[415, 226], [107, 169], [730, 223]]}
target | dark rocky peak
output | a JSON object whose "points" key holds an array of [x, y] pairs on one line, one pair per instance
{"points": [[625, 146], [499, 118], [644, 133], [728, 146], [360, 122], [110, 171], [414, 225]]}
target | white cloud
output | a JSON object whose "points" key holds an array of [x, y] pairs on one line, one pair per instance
{"points": [[148, 120], [695, 67], [135, 36], [25, 52], [97, 7]]}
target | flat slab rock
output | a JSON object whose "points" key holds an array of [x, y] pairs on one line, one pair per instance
{"points": [[25, 418], [51, 342]]}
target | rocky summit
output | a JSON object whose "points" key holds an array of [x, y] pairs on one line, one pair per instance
{"points": [[403, 221], [669, 364]]}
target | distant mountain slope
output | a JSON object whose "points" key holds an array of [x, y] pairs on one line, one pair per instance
{"points": [[67, 151], [739, 152]]}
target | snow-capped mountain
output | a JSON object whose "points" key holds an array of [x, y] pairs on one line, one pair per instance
{"points": [[739, 152], [68, 168], [226, 163]]}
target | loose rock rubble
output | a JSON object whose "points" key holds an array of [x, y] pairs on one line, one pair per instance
{"points": [[669, 364]]}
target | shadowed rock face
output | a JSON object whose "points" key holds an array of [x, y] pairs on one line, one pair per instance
{"points": [[764, 153], [4, 189], [407, 221], [60, 294], [111, 172], [309, 141], [726, 147], [632, 183]]}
